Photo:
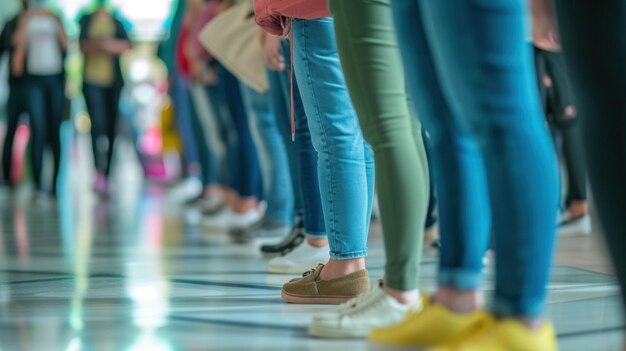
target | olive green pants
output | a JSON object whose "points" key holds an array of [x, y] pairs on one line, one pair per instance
{"points": [[373, 70]]}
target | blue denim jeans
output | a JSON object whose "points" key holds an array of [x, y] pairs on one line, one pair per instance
{"points": [[45, 104], [273, 156], [302, 156], [345, 160], [472, 81], [195, 147], [225, 130], [244, 171]]}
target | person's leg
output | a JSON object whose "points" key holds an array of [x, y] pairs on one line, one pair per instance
{"points": [[95, 99], [592, 35], [217, 99], [566, 121], [56, 104], [487, 76], [112, 108], [367, 46], [278, 192], [182, 108], [281, 105], [38, 125], [457, 164], [338, 140], [14, 109], [245, 167], [302, 254], [206, 156]]}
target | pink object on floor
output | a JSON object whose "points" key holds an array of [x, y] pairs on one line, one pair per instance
{"points": [[20, 144], [101, 186]]}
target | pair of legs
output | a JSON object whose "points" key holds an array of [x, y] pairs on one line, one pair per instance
{"points": [[46, 103], [345, 161], [373, 68], [16, 105], [199, 159], [472, 82], [301, 155], [103, 107], [244, 171], [557, 103], [273, 155], [593, 45]]}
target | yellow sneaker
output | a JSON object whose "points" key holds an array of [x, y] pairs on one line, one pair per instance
{"points": [[505, 335], [431, 325]]}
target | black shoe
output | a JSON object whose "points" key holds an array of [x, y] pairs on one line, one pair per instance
{"points": [[290, 242], [264, 229]]}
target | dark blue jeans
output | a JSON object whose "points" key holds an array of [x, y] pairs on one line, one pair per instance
{"points": [[16, 105], [244, 169], [472, 80], [46, 103], [103, 107], [195, 147]]}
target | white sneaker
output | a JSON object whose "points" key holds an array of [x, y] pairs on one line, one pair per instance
{"points": [[569, 226], [359, 316], [187, 190], [229, 220], [301, 259]]}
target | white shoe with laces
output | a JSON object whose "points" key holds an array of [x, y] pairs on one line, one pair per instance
{"points": [[359, 316], [574, 226], [301, 259], [229, 220]]}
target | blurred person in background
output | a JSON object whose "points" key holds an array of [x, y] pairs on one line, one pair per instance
{"points": [[204, 80], [245, 189], [16, 104], [40, 46], [200, 167], [103, 40], [561, 113]]}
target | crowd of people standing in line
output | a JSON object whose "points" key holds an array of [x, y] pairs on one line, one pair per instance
{"points": [[404, 99]]}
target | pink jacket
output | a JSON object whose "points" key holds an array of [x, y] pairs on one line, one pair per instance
{"points": [[273, 15], [206, 15]]}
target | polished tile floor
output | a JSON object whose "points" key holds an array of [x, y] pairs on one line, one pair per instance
{"points": [[138, 273]]}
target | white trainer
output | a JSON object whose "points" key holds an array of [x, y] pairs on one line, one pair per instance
{"points": [[570, 226], [228, 220], [300, 259], [359, 316], [187, 190]]}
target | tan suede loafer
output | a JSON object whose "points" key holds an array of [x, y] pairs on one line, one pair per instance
{"points": [[310, 289]]}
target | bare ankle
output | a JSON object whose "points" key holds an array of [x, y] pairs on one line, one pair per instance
{"points": [[339, 268], [578, 208], [405, 297], [459, 301], [317, 242]]}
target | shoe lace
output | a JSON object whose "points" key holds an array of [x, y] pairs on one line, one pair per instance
{"points": [[293, 235], [312, 270]]}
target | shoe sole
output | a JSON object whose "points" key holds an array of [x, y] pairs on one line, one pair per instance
{"points": [[324, 332], [372, 346], [315, 299], [290, 270]]}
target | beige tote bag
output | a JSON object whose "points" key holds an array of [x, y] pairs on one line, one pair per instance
{"points": [[233, 38]]}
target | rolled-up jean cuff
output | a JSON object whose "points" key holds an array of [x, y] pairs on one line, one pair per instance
{"points": [[313, 234], [347, 255], [461, 279], [501, 307]]}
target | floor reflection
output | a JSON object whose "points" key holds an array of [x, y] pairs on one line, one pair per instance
{"points": [[136, 273]]}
